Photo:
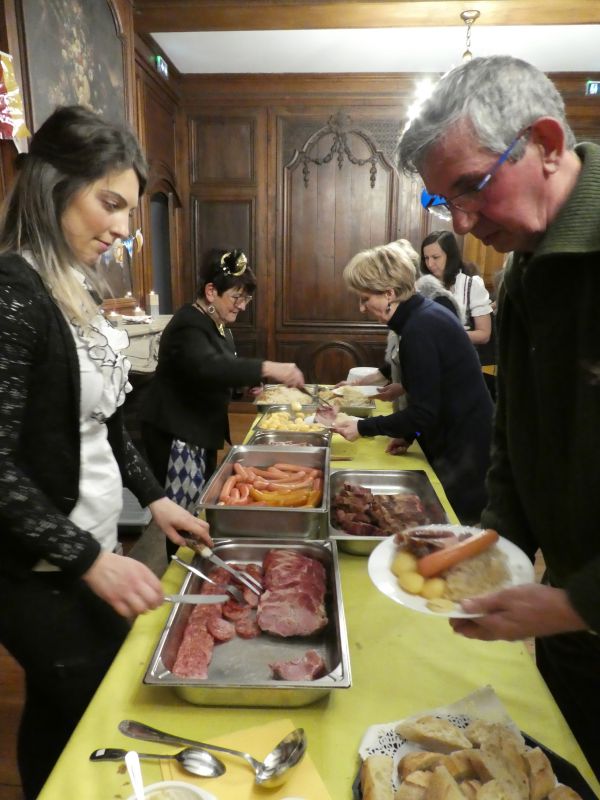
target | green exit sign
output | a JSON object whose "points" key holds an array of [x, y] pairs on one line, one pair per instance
{"points": [[161, 66], [592, 87]]}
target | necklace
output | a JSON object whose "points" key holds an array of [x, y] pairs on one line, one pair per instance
{"points": [[219, 325]]}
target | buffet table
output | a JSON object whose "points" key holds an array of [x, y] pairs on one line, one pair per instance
{"points": [[402, 662]]}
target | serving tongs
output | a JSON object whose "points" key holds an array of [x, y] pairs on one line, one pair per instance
{"points": [[320, 401], [241, 577], [230, 588]]}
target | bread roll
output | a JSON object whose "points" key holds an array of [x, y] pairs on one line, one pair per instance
{"points": [[434, 734], [563, 793], [420, 777], [410, 791], [442, 786], [494, 790], [470, 789], [376, 778], [541, 776], [419, 760], [459, 765], [479, 730]]}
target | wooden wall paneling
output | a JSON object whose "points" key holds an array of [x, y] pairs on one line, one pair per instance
{"points": [[159, 129], [337, 194], [228, 186]]}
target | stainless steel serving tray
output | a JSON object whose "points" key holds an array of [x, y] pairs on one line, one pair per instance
{"points": [[307, 411], [235, 521], [382, 482], [290, 438], [264, 406], [239, 674]]}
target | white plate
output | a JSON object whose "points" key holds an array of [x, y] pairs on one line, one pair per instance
{"points": [[380, 560], [367, 391]]}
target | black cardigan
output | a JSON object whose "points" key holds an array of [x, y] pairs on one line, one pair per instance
{"points": [[449, 408], [39, 431], [197, 369]]}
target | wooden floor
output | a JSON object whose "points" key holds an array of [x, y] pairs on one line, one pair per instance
{"points": [[11, 676]]}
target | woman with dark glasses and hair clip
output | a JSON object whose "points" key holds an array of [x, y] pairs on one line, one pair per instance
{"points": [[441, 258], [184, 415]]}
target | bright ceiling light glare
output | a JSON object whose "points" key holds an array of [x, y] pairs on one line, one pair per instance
{"points": [[423, 91]]}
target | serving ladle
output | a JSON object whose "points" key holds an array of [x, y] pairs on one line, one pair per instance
{"points": [[270, 772], [197, 762]]}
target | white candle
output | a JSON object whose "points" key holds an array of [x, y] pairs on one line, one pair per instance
{"points": [[139, 312], [152, 304]]}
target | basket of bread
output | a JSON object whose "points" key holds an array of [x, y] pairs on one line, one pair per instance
{"points": [[445, 755]]}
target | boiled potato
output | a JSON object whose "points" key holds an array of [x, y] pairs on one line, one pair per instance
{"points": [[433, 588], [404, 562], [296, 406], [411, 582]]}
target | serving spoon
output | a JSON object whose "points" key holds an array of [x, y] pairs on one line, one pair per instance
{"points": [[270, 772], [197, 762]]}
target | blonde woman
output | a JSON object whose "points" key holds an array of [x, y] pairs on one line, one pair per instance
{"points": [[449, 410], [65, 592]]}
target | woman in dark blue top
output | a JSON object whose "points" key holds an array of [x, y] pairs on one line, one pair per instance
{"points": [[449, 408]]}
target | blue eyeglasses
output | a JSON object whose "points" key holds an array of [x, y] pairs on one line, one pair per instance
{"points": [[469, 200]]}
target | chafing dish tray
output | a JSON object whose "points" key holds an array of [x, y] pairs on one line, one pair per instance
{"points": [[263, 404], [282, 522], [308, 412], [290, 438], [239, 673], [382, 482]]}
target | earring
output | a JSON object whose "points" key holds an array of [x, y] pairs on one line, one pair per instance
{"points": [[211, 309], [388, 308]]}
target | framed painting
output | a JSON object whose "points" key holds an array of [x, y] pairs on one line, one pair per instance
{"points": [[74, 54]]}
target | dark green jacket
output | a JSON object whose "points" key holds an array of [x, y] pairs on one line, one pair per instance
{"points": [[544, 482]]}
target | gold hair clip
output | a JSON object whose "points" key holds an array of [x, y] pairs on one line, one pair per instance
{"points": [[241, 263]]}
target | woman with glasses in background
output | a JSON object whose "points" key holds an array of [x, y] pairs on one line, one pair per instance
{"points": [[185, 412]]}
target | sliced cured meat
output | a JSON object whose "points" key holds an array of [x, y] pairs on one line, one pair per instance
{"points": [[220, 629], [247, 627], [307, 668], [233, 610], [290, 613], [250, 597], [194, 655], [293, 604]]}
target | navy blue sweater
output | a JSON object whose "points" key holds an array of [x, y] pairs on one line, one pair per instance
{"points": [[449, 407]]}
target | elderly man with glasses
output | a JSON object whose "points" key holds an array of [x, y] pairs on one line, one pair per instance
{"points": [[496, 153]]}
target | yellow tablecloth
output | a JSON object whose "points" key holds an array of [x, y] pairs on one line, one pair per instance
{"points": [[402, 662]]}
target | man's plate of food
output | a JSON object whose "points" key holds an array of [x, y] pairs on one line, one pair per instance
{"points": [[432, 568]]}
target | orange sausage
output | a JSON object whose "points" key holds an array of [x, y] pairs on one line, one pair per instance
{"points": [[239, 470], [244, 491], [290, 477], [441, 560], [228, 486], [288, 486], [234, 494], [288, 467]]}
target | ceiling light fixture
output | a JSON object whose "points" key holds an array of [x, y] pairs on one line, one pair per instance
{"points": [[469, 17]]}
